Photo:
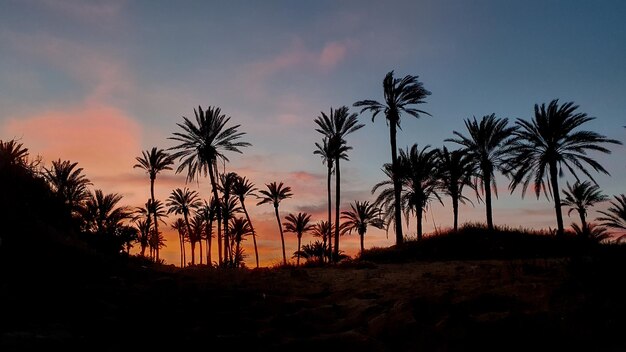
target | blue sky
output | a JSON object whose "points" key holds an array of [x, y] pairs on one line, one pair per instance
{"points": [[76, 76]]}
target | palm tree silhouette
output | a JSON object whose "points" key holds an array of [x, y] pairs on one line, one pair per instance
{"points": [[547, 143], [243, 188], [615, 216], [180, 227], [581, 196], [209, 213], [183, 202], [229, 210], [153, 162], [143, 226], [312, 251], [103, 218], [488, 147], [227, 181], [325, 151], [274, 195], [400, 95], [455, 171], [323, 229], [12, 154], [147, 212], [196, 224], [203, 143], [298, 224], [362, 215], [69, 183], [240, 228], [335, 126]]}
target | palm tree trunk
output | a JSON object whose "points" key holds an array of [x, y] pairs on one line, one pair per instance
{"points": [[156, 222], [487, 186], [557, 198], [180, 240], [282, 238], [184, 251], [298, 252], [396, 183], [191, 239], [455, 210], [362, 236], [218, 213], [256, 251], [328, 185], [337, 202], [237, 254], [209, 232], [420, 214], [200, 243], [583, 223]]}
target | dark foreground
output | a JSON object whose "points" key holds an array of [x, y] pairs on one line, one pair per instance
{"points": [[508, 305]]}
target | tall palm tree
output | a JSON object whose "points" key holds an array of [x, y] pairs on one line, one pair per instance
{"points": [[325, 151], [548, 143], [180, 227], [581, 196], [488, 147], [400, 96], [68, 182], [362, 215], [153, 162], [336, 126], [615, 216], [203, 143], [298, 224], [183, 202], [243, 188], [274, 195], [455, 171], [240, 228]]}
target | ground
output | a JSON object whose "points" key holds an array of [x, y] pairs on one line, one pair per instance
{"points": [[537, 304]]}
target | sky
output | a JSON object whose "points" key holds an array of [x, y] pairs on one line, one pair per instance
{"points": [[97, 82]]}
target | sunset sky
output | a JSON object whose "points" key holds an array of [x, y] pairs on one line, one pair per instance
{"points": [[97, 82]]}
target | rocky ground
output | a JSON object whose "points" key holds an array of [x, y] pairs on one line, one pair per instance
{"points": [[434, 306]]}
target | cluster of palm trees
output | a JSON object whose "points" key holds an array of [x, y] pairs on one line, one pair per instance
{"points": [[534, 152]]}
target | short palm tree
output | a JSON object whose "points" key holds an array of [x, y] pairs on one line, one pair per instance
{"points": [[580, 197], [615, 216], [243, 188], [196, 223], [336, 126], [12, 154], [183, 202], [488, 148], [209, 213], [239, 228], [274, 194], [326, 151], [547, 144], [312, 252], [227, 181], [181, 228], [455, 171], [101, 213], [323, 229], [298, 224], [69, 183], [362, 215], [400, 96], [229, 210], [202, 143], [153, 162], [144, 227]]}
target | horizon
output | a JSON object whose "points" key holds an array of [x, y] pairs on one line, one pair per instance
{"points": [[86, 74]]}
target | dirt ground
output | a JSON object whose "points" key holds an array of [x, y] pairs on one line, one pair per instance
{"points": [[431, 306]]}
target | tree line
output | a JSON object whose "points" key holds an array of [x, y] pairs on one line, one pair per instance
{"points": [[534, 152]]}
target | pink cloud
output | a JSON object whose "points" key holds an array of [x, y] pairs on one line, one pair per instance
{"points": [[91, 12], [332, 54]]}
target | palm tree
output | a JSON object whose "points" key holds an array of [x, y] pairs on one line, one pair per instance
{"points": [[229, 210], [547, 143], [240, 228], [400, 95], [592, 232], [325, 151], [274, 195], [146, 213], [312, 251], [101, 213], [153, 162], [298, 224], [203, 143], [227, 181], [68, 182], [209, 213], [581, 196], [243, 188], [12, 154], [196, 224], [455, 172], [143, 226], [182, 202], [615, 216], [488, 147], [180, 227], [127, 235], [362, 215], [323, 230], [336, 126]]}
